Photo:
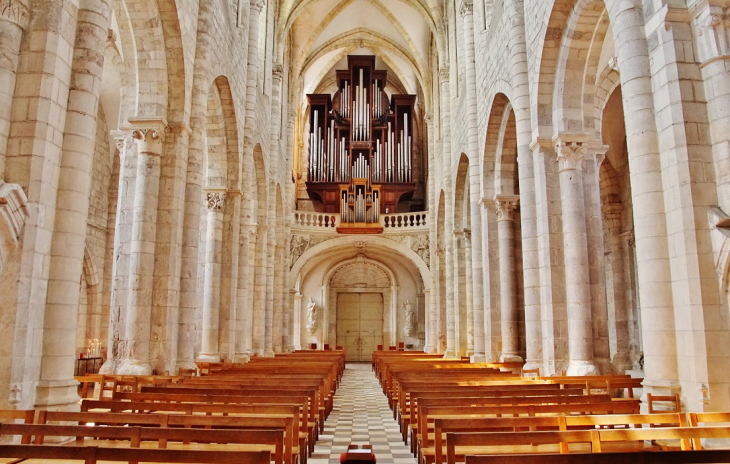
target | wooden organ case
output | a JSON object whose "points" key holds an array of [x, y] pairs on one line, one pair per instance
{"points": [[360, 148]]}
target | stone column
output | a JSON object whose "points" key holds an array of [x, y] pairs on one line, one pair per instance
{"points": [[149, 136], [14, 16], [475, 276], [278, 329], [243, 303], [490, 348], [57, 387], [577, 277], [612, 219], [515, 11], [458, 282], [214, 203], [259, 316], [505, 206], [252, 302], [712, 28], [230, 254], [469, 303], [647, 196], [269, 264], [439, 295], [431, 342], [449, 209]]}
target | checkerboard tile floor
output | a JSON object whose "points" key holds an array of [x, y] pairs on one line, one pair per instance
{"points": [[361, 415]]}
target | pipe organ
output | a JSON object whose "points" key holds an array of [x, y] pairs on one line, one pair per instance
{"points": [[360, 147]]}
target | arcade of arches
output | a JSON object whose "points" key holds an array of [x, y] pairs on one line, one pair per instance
{"points": [[566, 199]]}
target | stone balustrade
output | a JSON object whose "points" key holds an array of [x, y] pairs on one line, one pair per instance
{"points": [[311, 220], [404, 221]]}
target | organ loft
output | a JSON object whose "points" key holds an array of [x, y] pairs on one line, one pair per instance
{"points": [[362, 161]]}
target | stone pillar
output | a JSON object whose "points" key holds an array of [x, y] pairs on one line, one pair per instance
{"points": [[269, 264], [431, 342], [13, 21], [505, 206], [577, 277], [149, 136], [612, 219], [259, 316], [440, 296], [474, 272], [449, 209], [515, 11], [214, 203], [278, 328], [469, 303], [244, 308], [712, 28], [230, 254], [458, 282], [490, 346], [57, 386], [647, 196], [253, 291]]}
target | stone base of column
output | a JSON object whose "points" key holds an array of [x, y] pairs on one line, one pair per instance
{"points": [[209, 357], [133, 367], [510, 358], [429, 349], [186, 365], [241, 358], [478, 358], [59, 395], [470, 353], [451, 354], [621, 362], [580, 368], [268, 354], [532, 365]]}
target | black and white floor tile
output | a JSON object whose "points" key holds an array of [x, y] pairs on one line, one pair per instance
{"points": [[361, 416]]}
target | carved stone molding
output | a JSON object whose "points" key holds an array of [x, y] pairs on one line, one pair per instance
{"points": [[15, 11], [444, 75], [506, 205], [613, 63], [712, 26], [214, 201], [570, 155], [149, 134], [277, 71], [257, 6], [467, 7]]}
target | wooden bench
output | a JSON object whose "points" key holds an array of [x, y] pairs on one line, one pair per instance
{"points": [[514, 424], [637, 457], [594, 441], [109, 436], [93, 454]]}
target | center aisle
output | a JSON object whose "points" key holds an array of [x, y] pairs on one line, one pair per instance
{"points": [[361, 415]]}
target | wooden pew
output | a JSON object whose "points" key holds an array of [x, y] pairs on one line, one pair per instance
{"points": [[421, 435], [93, 454], [514, 424], [27, 416], [594, 441], [639, 457], [240, 421], [135, 437]]}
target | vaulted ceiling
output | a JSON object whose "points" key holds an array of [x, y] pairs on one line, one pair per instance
{"points": [[398, 32]]}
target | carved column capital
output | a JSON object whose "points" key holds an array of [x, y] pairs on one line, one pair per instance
{"points": [[570, 154], [467, 8], [257, 6], [506, 205], [15, 11], [444, 75], [712, 26], [149, 134], [277, 71], [214, 200]]}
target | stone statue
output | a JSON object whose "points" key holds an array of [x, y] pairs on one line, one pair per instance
{"points": [[409, 325], [311, 316]]}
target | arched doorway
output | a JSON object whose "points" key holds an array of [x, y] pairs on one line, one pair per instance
{"points": [[360, 290]]}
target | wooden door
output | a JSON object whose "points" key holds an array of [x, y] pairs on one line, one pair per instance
{"points": [[359, 324]]}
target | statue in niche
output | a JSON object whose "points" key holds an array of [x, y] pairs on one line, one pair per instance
{"points": [[409, 325], [311, 316]]}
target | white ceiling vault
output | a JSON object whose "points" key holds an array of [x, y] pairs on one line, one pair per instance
{"points": [[321, 34]]}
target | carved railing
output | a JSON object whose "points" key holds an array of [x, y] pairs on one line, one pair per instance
{"points": [[310, 220], [404, 221]]}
